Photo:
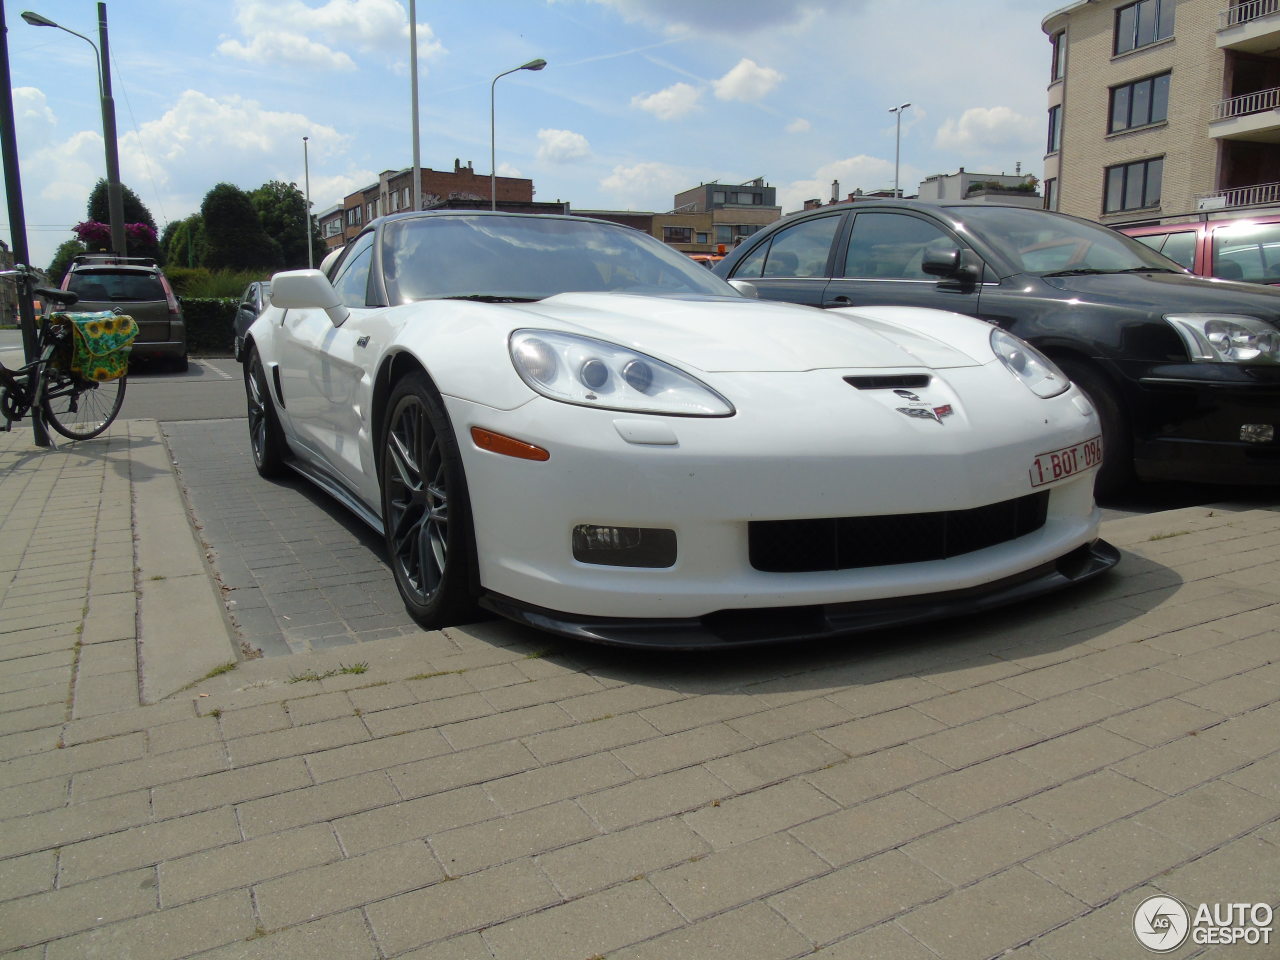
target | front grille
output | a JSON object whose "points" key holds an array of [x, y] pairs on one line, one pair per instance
{"points": [[889, 381], [844, 543]]}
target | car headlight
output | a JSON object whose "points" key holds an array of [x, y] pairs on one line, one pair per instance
{"points": [[594, 373], [1213, 338], [1040, 374]]}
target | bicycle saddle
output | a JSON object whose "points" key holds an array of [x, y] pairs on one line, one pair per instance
{"points": [[63, 298]]}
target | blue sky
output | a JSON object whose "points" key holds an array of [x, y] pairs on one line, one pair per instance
{"points": [[641, 98]]}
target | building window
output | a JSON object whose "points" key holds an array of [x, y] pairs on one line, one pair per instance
{"points": [[1140, 103], [1133, 186], [1058, 69], [370, 209], [1055, 129], [717, 196], [702, 238], [1142, 23], [677, 234], [1051, 194]]}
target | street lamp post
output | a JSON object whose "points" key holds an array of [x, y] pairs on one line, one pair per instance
{"points": [[306, 180], [115, 196], [493, 169], [897, 147]]}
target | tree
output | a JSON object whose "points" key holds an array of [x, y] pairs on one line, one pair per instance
{"points": [[233, 231], [283, 210], [135, 211], [62, 259], [184, 242]]}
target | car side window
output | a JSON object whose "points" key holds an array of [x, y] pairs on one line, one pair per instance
{"points": [[796, 251], [1248, 253], [891, 246], [352, 279]]}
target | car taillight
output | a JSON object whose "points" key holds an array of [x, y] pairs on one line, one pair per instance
{"points": [[168, 295]]}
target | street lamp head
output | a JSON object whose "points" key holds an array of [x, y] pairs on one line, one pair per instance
{"points": [[900, 107], [534, 65], [36, 20]]}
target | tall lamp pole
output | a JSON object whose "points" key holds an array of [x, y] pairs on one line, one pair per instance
{"points": [[306, 180], [897, 147], [413, 98], [493, 169], [115, 196]]}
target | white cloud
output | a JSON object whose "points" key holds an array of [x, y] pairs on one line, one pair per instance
{"points": [[508, 170], [644, 186], [747, 81], [290, 31], [986, 130], [860, 172], [798, 125], [744, 17], [562, 146], [669, 104]]}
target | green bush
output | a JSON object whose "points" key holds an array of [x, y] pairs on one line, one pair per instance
{"points": [[210, 321], [203, 282]]}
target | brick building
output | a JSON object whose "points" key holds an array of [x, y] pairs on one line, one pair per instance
{"points": [[1162, 108]]}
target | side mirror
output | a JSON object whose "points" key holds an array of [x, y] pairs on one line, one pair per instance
{"points": [[745, 288], [308, 290], [941, 261]]}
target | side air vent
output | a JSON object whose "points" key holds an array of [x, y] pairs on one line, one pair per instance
{"points": [[900, 381]]}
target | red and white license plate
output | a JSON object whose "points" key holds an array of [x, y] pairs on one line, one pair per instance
{"points": [[1060, 464]]}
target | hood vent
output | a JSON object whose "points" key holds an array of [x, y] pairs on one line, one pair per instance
{"points": [[896, 381]]}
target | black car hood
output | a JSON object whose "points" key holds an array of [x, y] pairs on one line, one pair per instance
{"points": [[1172, 292]]}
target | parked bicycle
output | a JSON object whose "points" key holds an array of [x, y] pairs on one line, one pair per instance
{"points": [[51, 388]]}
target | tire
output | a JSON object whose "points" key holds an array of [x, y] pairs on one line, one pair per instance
{"points": [[425, 508], [1116, 472], [180, 364], [81, 409], [266, 438]]}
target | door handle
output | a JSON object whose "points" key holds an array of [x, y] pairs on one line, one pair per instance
{"points": [[840, 301]]}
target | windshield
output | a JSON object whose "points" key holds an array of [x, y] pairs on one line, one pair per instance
{"points": [[530, 257], [1043, 244]]}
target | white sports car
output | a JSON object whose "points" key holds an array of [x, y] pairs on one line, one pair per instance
{"points": [[568, 423]]}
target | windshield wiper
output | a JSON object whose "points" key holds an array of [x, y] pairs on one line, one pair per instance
{"points": [[1077, 272], [1149, 270], [491, 298]]}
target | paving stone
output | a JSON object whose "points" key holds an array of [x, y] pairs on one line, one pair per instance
{"points": [[868, 699], [1242, 871], [982, 786], [168, 737], [56, 828], [75, 907], [617, 701], [428, 714], [858, 832], [974, 742], [861, 778], [183, 879], [443, 910], [594, 925], [316, 891], [1161, 721], [506, 726], [586, 739], [525, 692], [147, 844], [1208, 815], [972, 703], [380, 754], [737, 875], [671, 752], [880, 730], [1142, 687], [33, 873], [749, 816], [887, 941], [311, 738], [247, 721], [462, 768], [343, 935], [326, 801], [231, 786], [469, 946], [87, 756], [653, 798], [1112, 859], [471, 848], [166, 935], [857, 896], [1100, 934], [1082, 805], [774, 762], [324, 706], [751, 933], [419, 818], [1261, 777], [1180, 764], [626, 854], [986, 844], [558, 781], [987, 918]]}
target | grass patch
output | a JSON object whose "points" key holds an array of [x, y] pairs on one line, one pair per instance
{"points": [[310, 676], [432, 676], [1167, 536], [219, 671]]}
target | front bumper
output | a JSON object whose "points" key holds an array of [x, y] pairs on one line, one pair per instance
{"points": [[1189, 422], [750, 627]]}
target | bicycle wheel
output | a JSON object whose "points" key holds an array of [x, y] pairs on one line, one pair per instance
{"points": [[80, 409]]}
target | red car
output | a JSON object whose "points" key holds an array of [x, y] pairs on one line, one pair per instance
{"points": [[1245, 248]]}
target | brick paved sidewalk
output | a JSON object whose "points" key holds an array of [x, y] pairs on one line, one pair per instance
{"points": [[1017, 782]]}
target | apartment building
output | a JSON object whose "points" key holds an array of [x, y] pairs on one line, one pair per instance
{"points": [[1160, 109]]}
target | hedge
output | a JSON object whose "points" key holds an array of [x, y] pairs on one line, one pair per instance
{"points": [[211, 330]]}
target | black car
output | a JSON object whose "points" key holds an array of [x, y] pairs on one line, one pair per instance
{"points": [[1184, 371], [256, 298]]}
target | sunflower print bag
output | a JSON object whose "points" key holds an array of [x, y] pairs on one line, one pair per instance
{"points": [[100, 344]]}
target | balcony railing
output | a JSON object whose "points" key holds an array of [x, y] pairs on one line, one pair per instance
{"points": [[1252, 196], [1255, 102], [1244, 12]]}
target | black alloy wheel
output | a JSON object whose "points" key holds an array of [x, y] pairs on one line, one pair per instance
{"points": [[266, 438], [425, 508]]}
